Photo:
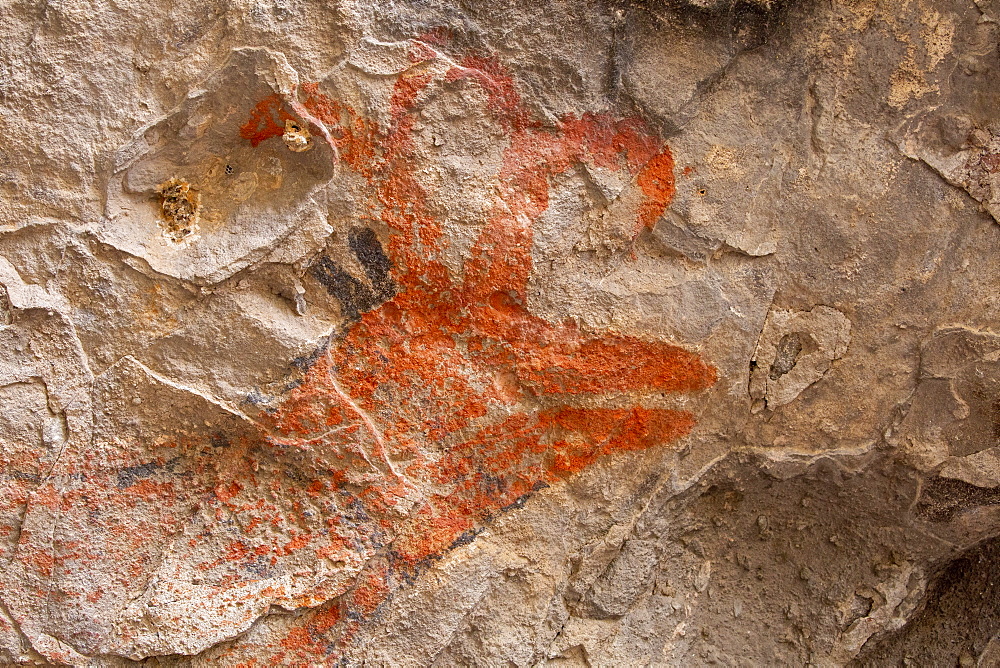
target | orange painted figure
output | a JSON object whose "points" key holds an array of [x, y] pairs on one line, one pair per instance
{"points": [[452, 381], [446, 401]]}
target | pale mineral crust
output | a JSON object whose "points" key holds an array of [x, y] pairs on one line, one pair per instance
{"points": [[424, 333]]}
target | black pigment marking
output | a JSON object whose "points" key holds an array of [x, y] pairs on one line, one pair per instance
{"points": [[355, 296], [739, 25], [257, 398], [305, 362], [489, 483], [130, 475], [294, 474], [466, 538], [259, 567], [377, 265]]}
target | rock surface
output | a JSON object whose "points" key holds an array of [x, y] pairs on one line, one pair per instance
{"points": [[429, 333]]}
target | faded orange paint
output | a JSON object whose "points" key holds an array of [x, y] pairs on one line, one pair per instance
{"points": [[262, 124], [657, 182], [433, 384]]}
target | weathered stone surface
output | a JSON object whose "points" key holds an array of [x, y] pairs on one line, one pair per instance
{"points": [[425, 333]]}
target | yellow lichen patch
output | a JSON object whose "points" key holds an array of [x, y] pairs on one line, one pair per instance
{"points": [[296, 137], [181, 208]]}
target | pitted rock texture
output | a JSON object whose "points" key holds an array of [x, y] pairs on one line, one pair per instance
{"points": [[428, 333]]}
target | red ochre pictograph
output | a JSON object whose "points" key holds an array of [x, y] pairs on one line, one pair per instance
{"points": [[454, 382], [440, 408]]}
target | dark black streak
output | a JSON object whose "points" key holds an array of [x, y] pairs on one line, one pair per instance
{"points": [[130, 475], [355, 296], [466, 538]]}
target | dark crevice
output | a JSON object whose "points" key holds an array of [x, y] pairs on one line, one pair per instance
{"points": [[959, 617]]}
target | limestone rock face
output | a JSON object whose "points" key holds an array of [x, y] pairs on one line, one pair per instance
{"points": [[436, 333]]}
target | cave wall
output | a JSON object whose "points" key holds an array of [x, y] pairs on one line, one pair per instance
{"points": [[572, 333]]}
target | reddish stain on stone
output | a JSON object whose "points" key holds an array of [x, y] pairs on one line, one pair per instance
{"points": [[226, 492], [267, 120], [991, 161], [657, 182], [439, 35], [500, 89]]}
